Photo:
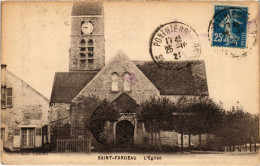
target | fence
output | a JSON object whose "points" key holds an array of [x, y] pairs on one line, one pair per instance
{"points": [[243, 148], [72, 145]]}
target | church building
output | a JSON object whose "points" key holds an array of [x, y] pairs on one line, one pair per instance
{"points": [[121, 80]]}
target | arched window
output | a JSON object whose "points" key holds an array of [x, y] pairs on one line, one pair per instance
{"points": [[90, 42], [82, 42], [127, 82], [114, 82]]}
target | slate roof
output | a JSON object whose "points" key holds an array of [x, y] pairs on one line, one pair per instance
{"points": [[182, 78], [124, 103], [185, 78], [87, 8], [67, 85]]}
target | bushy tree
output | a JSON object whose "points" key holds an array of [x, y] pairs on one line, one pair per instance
{"points": [[197, 116], [239, 128], [156, 114], [84, 110], [200, 115]]}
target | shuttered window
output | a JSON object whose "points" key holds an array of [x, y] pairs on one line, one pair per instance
{"points": [[6, 97], [9, 92], [3, 97], [2, 133]]}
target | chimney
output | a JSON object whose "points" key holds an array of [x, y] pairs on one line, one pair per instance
{"points": [[3, 75]]}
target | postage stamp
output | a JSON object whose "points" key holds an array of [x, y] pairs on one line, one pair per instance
{"points": [[174, 41], [230, 26], [233, 30]]}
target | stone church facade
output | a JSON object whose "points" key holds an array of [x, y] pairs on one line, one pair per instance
{"points": [[121, 81]]}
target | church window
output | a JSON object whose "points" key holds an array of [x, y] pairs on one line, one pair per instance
{"points": [[114, 82], [91, 54], [90, 61], [90, 42], [127, 82], [90, 48], [82, 48], [82, 42], [82, 55]]}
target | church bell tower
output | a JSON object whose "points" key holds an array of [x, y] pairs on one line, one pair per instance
{"points": [[87, 50]]}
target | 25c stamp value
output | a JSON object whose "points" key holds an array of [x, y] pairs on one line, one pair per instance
{"points": [[230, 26]]}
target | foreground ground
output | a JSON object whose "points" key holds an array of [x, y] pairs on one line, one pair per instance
{"points": [[195, 158]]}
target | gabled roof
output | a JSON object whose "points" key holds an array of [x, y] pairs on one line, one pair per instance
{"points": [[87, 8], [186, 78], [67, 85], [121, 57], [22, 81], [183, 78]]}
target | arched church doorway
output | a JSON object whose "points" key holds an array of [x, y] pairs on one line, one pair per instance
{"points": [[125, 134]]}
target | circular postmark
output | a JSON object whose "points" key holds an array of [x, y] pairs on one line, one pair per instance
{"points": [[174, 41], [105, 134], [231, 33]]}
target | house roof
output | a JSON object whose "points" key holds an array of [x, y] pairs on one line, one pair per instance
{"points": [[67, 85], [87, 8], [183, 78], [23, 82]]}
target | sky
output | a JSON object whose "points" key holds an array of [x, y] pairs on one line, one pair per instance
{"points": [[36, 41]]}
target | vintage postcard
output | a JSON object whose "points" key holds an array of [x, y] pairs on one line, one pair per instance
{"points": [[130, 83]]}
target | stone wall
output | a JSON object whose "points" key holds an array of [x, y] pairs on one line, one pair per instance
{"points": [[175, 98], [59, 111], [194, 139]]}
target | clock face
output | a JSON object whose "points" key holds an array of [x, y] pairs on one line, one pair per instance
{"points": [[87, 28]]}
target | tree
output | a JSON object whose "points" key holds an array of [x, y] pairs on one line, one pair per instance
{"points": [[83, 111], [156, 114], [239, 128], [181, 119], [208, 116], [197, 116], [254, 132]]}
